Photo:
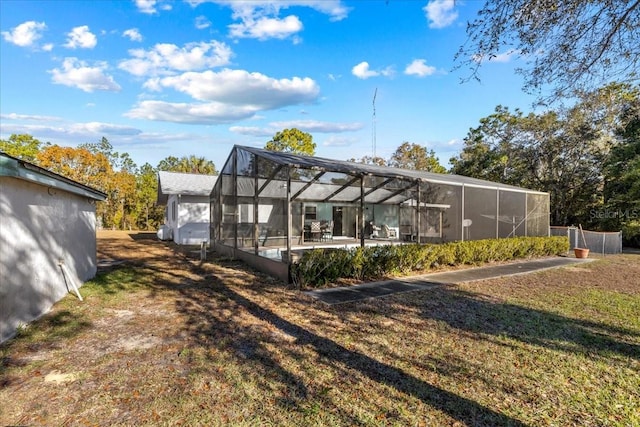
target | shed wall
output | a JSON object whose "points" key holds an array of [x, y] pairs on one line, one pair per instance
{"points": [[40, 226], [191, 226]]}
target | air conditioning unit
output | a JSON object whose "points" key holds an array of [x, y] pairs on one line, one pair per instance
{"points": [[165, 232]]}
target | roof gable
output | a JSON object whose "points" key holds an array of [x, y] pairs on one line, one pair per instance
{"points": [[188, 184]]}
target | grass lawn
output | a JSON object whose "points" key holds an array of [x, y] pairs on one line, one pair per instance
{"points": [[166, 340]]}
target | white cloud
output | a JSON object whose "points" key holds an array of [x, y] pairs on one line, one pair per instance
{"points": [[166, 58], [303, 125], [191, 113], [79, 74], [65, 130], [47, 47], [339, 141], [419, 68], [336, 10], [260, 18], [253, 131], [36, 118], [202, 22], [362, 71], [239, 87], [25, 34], [318, 126], [103, 128], [146, 6], [227, 96], [81, 37], [441, 13], [265, 28], [133, 34]]}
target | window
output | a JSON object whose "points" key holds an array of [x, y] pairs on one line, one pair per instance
{"points": [[174, 215], [310, 213]]}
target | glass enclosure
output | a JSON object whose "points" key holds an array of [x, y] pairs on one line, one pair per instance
{"points": [[273, 204]]}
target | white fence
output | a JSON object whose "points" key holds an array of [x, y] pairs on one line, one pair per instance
{"points": [[596, 241]]}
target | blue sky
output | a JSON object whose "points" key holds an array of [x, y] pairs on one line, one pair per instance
{"points": [[172, 78]]}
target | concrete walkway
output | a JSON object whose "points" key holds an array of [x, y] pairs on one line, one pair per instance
{"points": [[388, 287]]}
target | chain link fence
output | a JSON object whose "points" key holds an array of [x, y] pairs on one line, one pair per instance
{"points": [[596, 241]]}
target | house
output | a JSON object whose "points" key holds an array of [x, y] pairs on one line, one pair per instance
{"points": [[47, 240], [186, 197], [267, 207]]}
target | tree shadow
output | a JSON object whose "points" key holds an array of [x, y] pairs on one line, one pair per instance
{"points": [[477, 314], [211, 311]]}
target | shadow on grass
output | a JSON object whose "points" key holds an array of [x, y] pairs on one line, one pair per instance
{"points": [[143, 236], [469, 312], [212, 309], [45, 333]]}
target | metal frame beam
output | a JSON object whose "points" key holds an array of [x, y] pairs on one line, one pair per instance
{"points": [[273, 175], [307, 185], [377, 187], [339, 190]]}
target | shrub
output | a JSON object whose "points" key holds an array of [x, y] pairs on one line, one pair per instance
{"points": [[320, 266]]}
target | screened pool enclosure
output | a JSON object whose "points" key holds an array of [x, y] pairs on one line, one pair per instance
{"points": [[267, 207]]}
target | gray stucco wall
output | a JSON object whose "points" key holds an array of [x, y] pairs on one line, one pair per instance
{"points": [[39, 226]]}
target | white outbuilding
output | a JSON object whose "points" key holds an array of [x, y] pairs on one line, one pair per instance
{"points": [[47, 240], [186, 197]]}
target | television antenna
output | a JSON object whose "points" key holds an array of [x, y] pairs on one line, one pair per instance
{"points": [[373, 129]]}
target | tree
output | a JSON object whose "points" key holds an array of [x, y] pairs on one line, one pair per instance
{"points": [[414, 156], [569, 44], [188, 164], [370, 160], [561, 152], [149, 215], [292, 141], [622, 184], [22, 146], [119, 162]]}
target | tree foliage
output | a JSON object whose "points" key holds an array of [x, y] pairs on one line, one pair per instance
{"points": [[563, 152], [188, 164], [292, 141], [370, 160], [568, 45], [149, 215], [415, 156], [22, 146]]}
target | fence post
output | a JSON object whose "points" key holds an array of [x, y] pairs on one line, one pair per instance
{"points": [[604, 237], [620, 240]]}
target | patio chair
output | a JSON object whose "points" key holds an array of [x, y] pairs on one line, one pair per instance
{"points": [[315, 230], [374, 230], [406, 233], [387, 232], [327, 231]]}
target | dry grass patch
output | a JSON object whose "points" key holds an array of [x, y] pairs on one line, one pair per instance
{"points": [[165, 340]]}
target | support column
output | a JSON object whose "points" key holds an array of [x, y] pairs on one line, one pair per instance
{"points": [[289, 219], [256, 224], [498, 214], [418, 212], [462, 219], [362, 211]]}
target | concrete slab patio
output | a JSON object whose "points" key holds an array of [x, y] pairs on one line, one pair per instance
{"points": [[388, 287]]}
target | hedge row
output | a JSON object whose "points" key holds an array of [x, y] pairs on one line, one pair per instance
{"points": [[320, 266]]}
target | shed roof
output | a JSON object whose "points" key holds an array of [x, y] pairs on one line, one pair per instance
{"points": [[16, 168], [187, 184]]}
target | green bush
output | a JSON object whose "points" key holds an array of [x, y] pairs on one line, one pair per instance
{"points": [[320, 266], [631, 234]]}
